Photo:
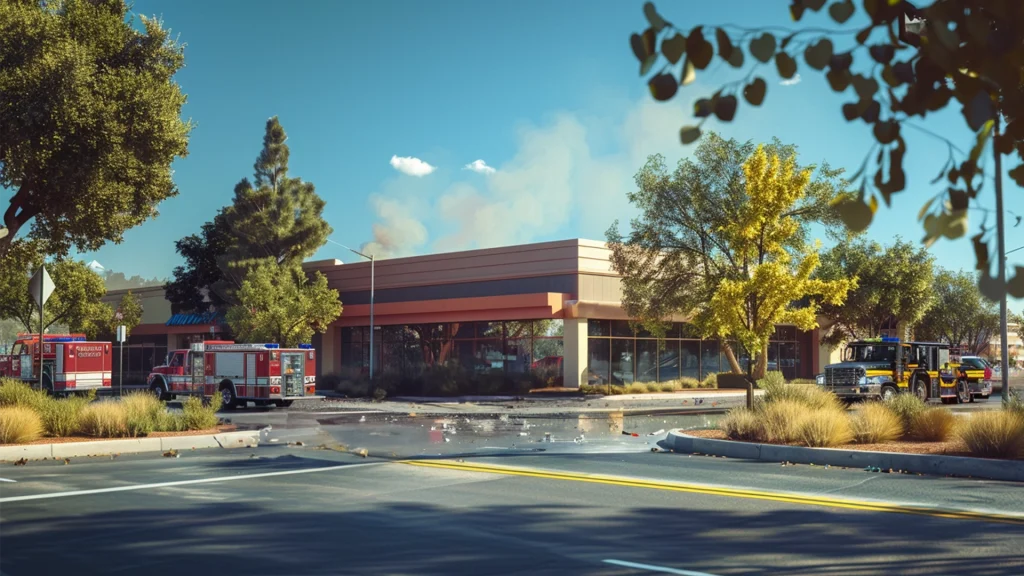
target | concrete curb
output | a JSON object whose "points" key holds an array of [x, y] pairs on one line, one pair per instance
{"points": [[245, 439], [1012, 471]]}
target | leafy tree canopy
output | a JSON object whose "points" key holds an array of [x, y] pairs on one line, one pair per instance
{"points": [[281, 304], [960, 316], [894, 284], [273, 219], [723, 240], [89, 121], [970, 52]]}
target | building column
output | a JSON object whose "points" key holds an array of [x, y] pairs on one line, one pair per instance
{"points": [[172, 342], [574, 355], [329, 351]]}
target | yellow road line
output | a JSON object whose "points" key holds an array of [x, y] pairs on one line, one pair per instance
{"points": [[719, 491]]}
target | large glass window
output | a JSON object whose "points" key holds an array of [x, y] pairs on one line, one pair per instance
{"points": [[646, 360], [599, 328], [689, 358], [709, 360], [622, 361], [598, 360], [668, 361], [621, 329]]}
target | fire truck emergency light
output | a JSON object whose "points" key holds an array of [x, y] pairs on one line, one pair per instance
{"points": [[890, 339], [306, 346]]}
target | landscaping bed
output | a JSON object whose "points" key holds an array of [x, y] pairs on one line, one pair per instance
{"points": [[165, 434], [29, 416], [807, 415]]}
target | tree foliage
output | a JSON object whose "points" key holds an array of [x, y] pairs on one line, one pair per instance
{"points": [[971, 52], [724, 241], [76, 299], [119, 281], [275, 219], [960, 316], [281, 304], [894, 285], [89, 121]]}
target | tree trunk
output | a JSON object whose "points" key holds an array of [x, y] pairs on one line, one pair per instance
{"points": [[761, 367], [731, 356]]}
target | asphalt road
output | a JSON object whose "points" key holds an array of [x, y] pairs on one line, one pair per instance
{"points": [[601, 505]]}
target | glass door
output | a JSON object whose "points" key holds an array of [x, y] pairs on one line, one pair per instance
{"points": [[292, 374]]}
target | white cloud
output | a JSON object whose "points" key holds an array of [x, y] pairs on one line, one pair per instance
{"points": [[791, 81], [574, 169], [479, 166], [411, 166]]}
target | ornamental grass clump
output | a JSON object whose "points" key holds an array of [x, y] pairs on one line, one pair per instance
{"points": [[742, 424], [19, 424], [994, 434], [875, 423], [932, 425]]}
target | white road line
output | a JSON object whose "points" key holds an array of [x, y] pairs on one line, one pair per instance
{"points": [[653, 568], [6, 480], [183, 482]]}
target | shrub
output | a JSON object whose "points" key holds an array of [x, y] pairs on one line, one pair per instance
{"points": [[771, 379], [62, 417], [170, 422], [142, 413], [379, 394], [198, 414], [19, 424], [932, 425], [636, 388], [906, 406], [825, 427], [781, 420], [17, 393], [709, 381], [994, 434], [614, 390], [742, 424], [669, 386], [1015, 402], [875, 423], [812, 396], [106, 419], [330, 381], [654, 387], [686, 382]]}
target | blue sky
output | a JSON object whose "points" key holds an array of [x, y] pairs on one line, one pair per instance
{"points": [[546, 93]]}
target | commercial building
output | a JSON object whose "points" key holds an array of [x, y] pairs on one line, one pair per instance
{"points": [[485, 321]]}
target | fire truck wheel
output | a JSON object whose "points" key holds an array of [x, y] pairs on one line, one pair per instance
{"points": [[889, 391], [921, 390], [157, 389], [228, 401], [963, 392]]}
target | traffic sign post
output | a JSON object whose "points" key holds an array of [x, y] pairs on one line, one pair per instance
{"points": [[121, 337], [41, 287]]}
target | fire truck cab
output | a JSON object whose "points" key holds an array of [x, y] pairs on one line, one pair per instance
{"points": [[69, 363], [263, 373]]}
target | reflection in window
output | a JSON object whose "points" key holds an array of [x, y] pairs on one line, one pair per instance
{"points": [[668, 361], [548, 328], [489, 355], [646, 360], [621, 328], [489, 330], [463, 330], [622, 361], [689, 358], [598, 351], [518, 355], [709, 362], [599, 328]]}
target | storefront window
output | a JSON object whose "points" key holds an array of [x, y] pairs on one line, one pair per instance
{"points": [[668, 361], [689, 358], [622, 360], [599, 328], [620, 328], [709, 362], [598, 355], [646, 360]]}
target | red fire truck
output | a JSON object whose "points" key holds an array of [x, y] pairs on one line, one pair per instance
{"points": [[70, 363], [263, 373]]}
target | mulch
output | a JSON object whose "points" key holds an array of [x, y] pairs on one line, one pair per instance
{"points": [[948, 448], [65, 439]]}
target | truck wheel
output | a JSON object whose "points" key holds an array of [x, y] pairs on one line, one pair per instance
{"points": [[963, 392], [889, 392], [921, 390], [157, 389], [228, 401]]}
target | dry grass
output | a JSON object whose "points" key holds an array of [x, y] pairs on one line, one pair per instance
{"points": [[200, 415], [994, 434], [781, 420], [709, 381], [19, 424], [105, 419], [810, 395], [636, 388], [906, 407], [17, 393], [62, 417], [687, 383], [932, 425], [874, 423], [824, 428], [653, 387], [143, 412], [742, 424]]}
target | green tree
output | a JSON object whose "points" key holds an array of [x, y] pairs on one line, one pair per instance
{"points": [[274, 219], [190, 290], [733, 214], [970, 52], [960, 316], [281, 304], [89, 121], [894, 285], [75, 301], [118, 281]]}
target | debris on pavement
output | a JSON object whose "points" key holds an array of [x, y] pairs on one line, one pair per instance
{"points": [[21, 462], [172, 453], [661, 431]]}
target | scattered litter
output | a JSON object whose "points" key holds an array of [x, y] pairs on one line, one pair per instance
{"points": [[524, 433], [412, 414], [654, 449], [169, 454], [827, 466], [273, 440], [363, 452], [662, 431], [362, 418], [447, 439], [21, 462], [872, 469]]}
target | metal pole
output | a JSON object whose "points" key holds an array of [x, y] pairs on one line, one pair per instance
{"points": [[120, 371], [1004, 352], [372, 260], [41, 332]]}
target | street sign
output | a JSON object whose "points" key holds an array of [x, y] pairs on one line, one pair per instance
{"points": [[121, 333], [41, 286]]}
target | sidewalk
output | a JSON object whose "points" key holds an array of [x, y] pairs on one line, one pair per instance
{"points": [[689, 401]]}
